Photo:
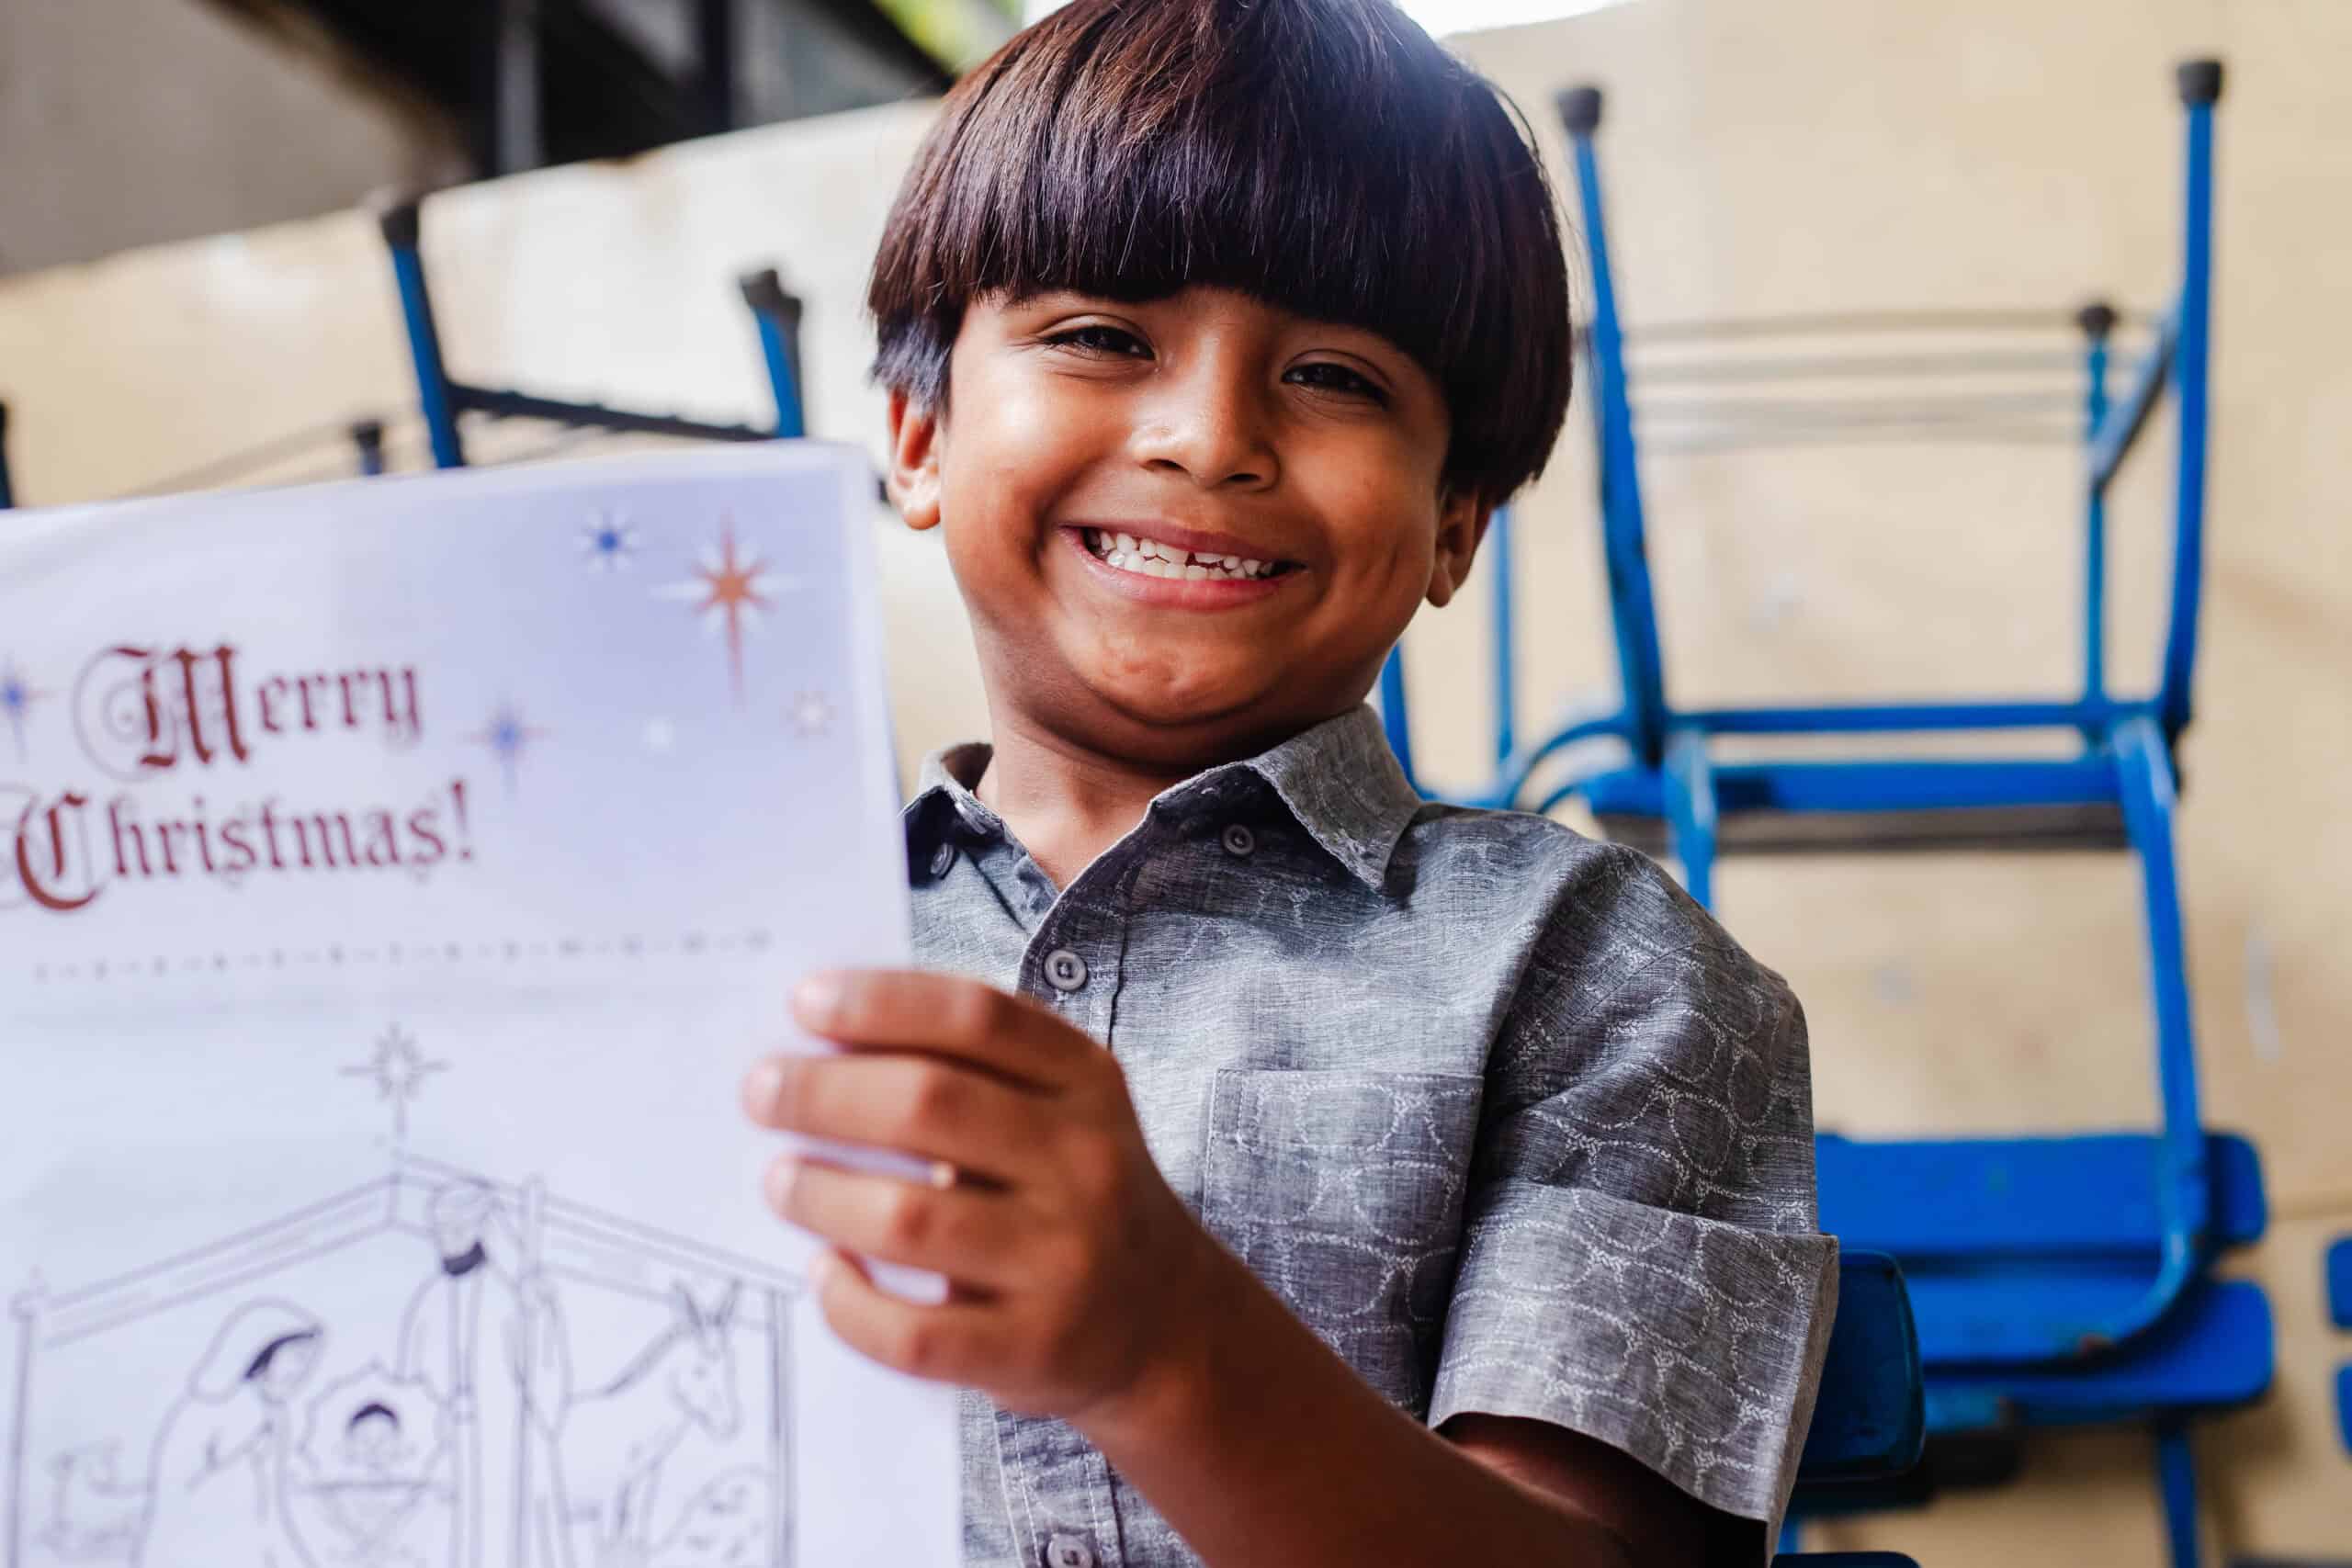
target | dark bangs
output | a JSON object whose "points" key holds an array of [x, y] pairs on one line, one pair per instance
{"points": [[1322, 155]]}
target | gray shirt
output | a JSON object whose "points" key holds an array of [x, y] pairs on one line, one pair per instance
{"points": [[1503, 1116]]}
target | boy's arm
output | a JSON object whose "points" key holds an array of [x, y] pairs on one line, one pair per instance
{"points": [[1608, 1484], [1084, 1289], [1272, 1451]]}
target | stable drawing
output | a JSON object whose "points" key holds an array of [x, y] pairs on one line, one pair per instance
{"points": [[433, 1369]]}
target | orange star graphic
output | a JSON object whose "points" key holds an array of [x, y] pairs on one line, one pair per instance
{"points": [[728, 592]]}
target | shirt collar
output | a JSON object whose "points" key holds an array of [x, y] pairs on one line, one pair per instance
{"points": [[1338, 780]]}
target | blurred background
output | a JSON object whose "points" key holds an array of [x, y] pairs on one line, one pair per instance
{"points": [[193, 294]]}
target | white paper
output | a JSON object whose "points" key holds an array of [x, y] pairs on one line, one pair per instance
{"points": [[372, 1188]]}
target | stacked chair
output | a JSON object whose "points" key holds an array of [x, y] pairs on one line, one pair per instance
{"points": [[2053, 1280], [442, 399]]}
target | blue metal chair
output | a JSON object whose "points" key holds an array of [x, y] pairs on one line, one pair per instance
{"points": [[2054, 1279], [442, 399], [775, 312], [1670, 793], [2047, 1230], [1763, 805], [1869, 1420]]}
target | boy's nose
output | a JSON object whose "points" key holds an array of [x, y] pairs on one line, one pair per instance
{"points": [[1215, 436]]}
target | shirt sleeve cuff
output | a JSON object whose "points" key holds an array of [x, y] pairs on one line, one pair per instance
{"points": [[1693, 1344]]}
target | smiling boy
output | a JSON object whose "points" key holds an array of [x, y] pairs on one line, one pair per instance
{"points": [[1324, 1177]]}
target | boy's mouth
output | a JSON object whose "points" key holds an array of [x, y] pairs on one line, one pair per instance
{"points": [[1146, 556]]}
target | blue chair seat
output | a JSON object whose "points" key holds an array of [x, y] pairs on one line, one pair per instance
{"points": [[1927, 805], [1968, 1199], [1869, 1418], [2215, 1350], [2020, 1249], [2021, 1314]]}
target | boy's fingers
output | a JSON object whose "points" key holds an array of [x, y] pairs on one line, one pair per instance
{"points": [[969, 1235], [912, 1009], [958, 1342], [923, 1106]]}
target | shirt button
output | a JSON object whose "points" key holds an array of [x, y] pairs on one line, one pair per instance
{"points": [[1239, 841], [1068, 1552], [1065, 970], [941, 859]]}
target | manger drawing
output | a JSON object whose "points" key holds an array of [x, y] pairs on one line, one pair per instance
{"points": [[432, 1368]]}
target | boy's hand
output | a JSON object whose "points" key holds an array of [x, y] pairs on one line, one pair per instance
{"points": [[1077, 1276]]}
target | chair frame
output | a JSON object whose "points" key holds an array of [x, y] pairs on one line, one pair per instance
{"points": [[2120, 789], [442, 398]]}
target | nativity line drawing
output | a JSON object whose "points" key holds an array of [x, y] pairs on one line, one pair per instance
{"points": [[432, 1368]]}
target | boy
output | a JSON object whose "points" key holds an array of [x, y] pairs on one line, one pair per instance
{"points": [[1323, 1176]]}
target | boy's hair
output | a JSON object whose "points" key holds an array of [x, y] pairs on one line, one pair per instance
{"points": [[1322, 155]]}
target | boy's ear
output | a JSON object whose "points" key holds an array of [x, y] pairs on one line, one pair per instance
{"points": [[1461, 523], [913, 479]]}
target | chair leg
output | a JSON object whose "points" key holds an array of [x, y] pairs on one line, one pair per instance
{"points": [[402, 224], [1396, 716], [2177, 1479], [1690, 812], [2144, 773]]}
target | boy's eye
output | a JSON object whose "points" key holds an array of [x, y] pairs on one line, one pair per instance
{"points": [[1097, 338], [1325, 376]]}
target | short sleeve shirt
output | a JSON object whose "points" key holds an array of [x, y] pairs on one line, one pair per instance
{"points": [[1501, 1115]]}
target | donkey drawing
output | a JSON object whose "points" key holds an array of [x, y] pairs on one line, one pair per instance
{"points": [[617, 1439]]}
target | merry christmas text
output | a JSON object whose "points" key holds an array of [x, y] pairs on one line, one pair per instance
{"points": [[143, 715]]}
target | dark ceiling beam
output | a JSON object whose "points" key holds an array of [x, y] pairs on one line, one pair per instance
{"points": [[598, 94], [715, 32]]}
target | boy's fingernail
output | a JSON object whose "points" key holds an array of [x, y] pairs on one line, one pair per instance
{"points": [[817, 997], [783, 1174], [762, 1085], [822, 1272]]}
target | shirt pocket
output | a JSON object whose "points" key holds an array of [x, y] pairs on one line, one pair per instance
{"points": [[1343, 1191]]}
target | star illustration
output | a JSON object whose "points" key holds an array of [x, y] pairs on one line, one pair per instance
{"points": [[16, 700], [399, 1070], [508, 737], [729, 593], [608, 544], [809, 713]]}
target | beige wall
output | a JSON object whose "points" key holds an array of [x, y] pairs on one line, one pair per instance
{"points": [[1765, 157]]}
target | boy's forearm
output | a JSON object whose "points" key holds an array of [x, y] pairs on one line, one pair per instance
{"points": [[1268, 1450]]}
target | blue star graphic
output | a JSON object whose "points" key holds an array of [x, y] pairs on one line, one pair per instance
{"points": [[16, 699], [607, 544], [508, 737]]}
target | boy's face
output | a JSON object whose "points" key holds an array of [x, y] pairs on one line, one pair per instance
{"points": [[1098, 455]]}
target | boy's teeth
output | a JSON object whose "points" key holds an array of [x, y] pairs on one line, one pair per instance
{"points": [[1149, 557]]}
